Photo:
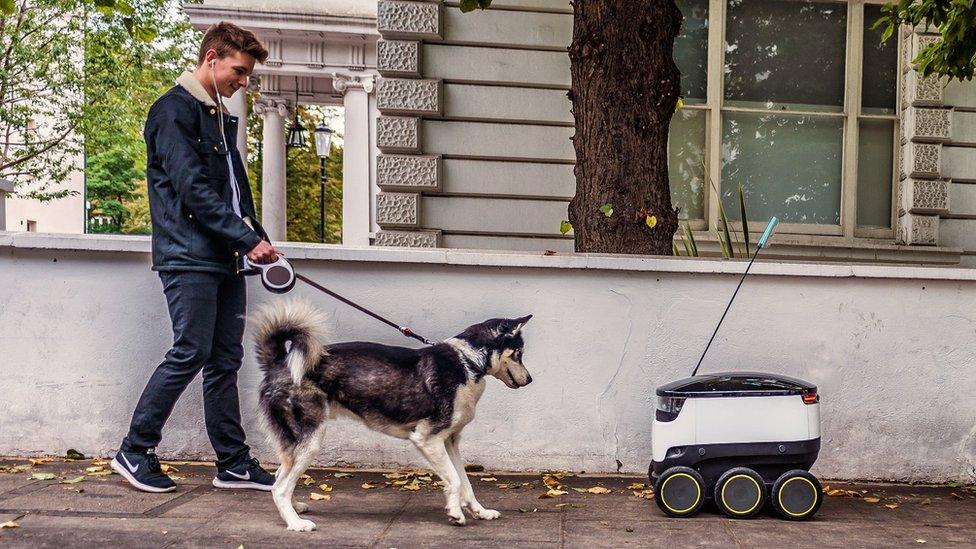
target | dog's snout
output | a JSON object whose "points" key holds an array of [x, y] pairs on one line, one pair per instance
{"points": [[528, 379]]}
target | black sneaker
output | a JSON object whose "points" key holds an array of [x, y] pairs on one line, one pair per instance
{"points": [[142, 471], [248, 474]]}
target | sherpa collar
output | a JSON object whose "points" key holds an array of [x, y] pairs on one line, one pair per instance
{"points": [[190, 84]]}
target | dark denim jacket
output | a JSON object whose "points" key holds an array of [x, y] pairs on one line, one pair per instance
{"points": [[194, 227]]}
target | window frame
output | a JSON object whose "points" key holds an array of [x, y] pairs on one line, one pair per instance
{"points": [[714, 107]]}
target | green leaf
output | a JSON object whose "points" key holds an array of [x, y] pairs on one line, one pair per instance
{"points": [[565, 226], [7, 7], [144, 34], [742, 213], [689, 239], [680, 105], [468, 5], [674, 249], [73, 454], [607, 209]]}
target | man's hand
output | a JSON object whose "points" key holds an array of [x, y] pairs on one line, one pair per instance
{"points": [[264, 252]]}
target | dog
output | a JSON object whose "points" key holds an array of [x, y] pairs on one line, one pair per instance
{"points": [[425, 395]]}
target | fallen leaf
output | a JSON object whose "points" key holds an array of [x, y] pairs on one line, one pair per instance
{"points": [[168, 468], [549, 252], [570, 505], [412, 487], [872, 500], [73, 454], [524, 510], [891, 505], [101, 473], [424, 478], [553, 493], [955, 495], [325, 487], [607, 209], [43, 476], [650, 221], [99, 462], [308, 481], [565, 226], [368, 486], [580, 490], [644, 494], [474, 468], [9, 524], [920, 540], [550, 481], [954, 485], [341, 475], [926, 501], [39, 461], [637, 486], [598, 490], [97, 469], [393, 475], [74, 480], [14, 468], [315, 496], [488, 479], [73, 489], [680, 104]]}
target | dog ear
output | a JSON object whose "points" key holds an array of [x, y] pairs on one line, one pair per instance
{"points": [[515, 326]]}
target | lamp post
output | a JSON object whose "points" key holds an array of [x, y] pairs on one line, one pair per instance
{"points": [[323, 146]]}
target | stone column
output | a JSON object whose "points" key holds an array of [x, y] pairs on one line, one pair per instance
{"points": [[237, 105], [273, 195], [355, 158]]}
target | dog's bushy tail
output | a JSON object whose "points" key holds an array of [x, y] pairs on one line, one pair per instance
{"points": [[295, 321]]}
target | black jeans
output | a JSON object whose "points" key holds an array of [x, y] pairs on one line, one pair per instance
{"points": [[207, 311]]}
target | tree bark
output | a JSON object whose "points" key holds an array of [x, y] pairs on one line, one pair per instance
{"points": [[625, 86]]}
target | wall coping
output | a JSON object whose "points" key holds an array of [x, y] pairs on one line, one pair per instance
{"points": [[509, 259]]}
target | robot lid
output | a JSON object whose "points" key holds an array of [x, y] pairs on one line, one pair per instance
{"points": [[733, 384]]}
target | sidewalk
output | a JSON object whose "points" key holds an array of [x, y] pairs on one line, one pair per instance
{"points": [[102, 510]]}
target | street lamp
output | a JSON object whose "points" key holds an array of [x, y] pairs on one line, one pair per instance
{"points": [[323, 146], [296, 133]]}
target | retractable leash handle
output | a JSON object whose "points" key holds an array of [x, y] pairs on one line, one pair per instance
{"points": [[760, 245], [277, 276]]}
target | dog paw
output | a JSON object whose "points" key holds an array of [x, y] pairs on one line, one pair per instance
{"points": [[302, 526], [456, 518], [300, 507], [487, 514]]}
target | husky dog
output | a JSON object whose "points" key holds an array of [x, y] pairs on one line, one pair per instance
{"points": [[424, 395]]}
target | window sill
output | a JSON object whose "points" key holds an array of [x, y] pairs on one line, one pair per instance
{"points": [[834, 248]]}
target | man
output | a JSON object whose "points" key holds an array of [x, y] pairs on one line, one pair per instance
{"points": [[203, 221]]}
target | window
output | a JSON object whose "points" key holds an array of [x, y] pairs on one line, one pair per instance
{"points": [[794, 100]]}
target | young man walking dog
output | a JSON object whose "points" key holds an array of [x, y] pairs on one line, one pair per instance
{"points": [[203, 221]]}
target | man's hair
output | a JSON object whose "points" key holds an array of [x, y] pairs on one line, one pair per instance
{"points": [[227, 38]]}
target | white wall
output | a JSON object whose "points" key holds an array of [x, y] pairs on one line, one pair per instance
{"points": [[65, 215], [83, 323]]}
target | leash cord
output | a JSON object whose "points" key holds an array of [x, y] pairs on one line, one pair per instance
{"points": [[402, 329]]}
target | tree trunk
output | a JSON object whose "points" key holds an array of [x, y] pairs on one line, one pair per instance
{"points": [[625, 86]]}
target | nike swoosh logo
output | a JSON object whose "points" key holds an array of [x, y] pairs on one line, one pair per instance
{"points": [[245, 476], [128, 464]]}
